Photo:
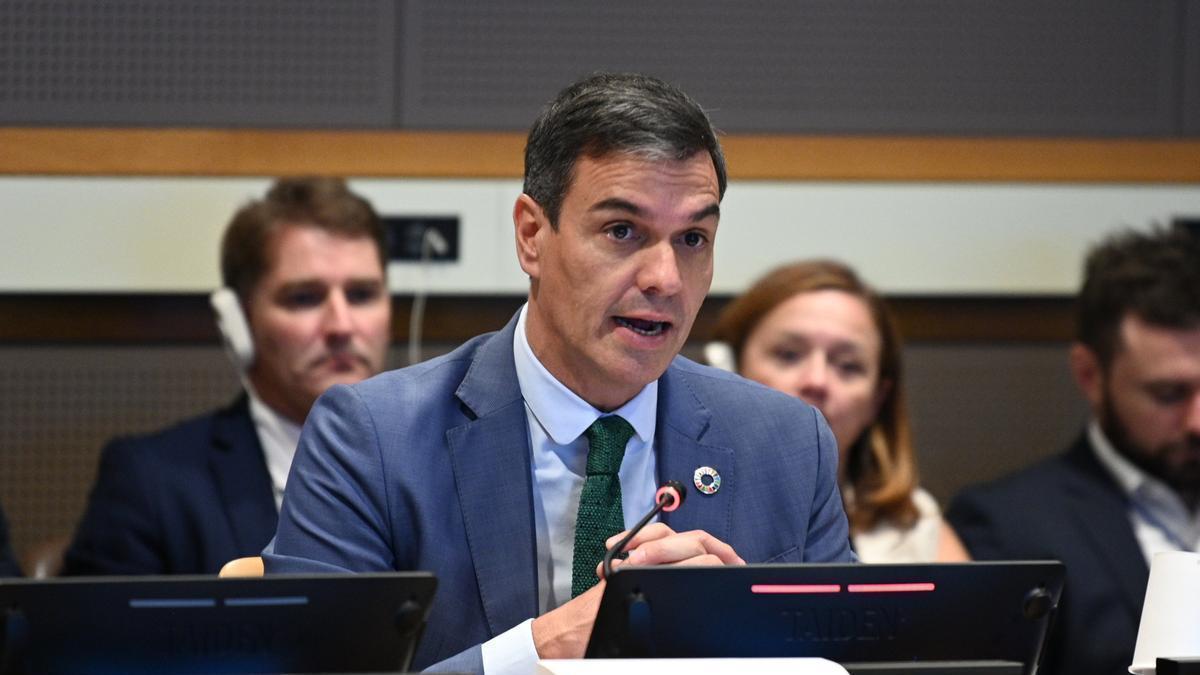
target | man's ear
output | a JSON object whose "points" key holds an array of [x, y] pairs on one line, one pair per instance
{"points": [[1088, 374], [529, 221]]}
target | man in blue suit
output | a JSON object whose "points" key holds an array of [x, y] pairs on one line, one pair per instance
{"points": [[1129, 487], [305, 306], [505, 466]]}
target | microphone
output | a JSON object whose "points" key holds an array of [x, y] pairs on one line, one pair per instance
{"points": [[668, 498]]}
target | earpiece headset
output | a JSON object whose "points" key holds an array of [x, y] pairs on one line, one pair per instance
{"points": [[720, 355], [235, 330]]}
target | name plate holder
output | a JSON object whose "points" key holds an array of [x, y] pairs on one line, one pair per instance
{"points": [[978, 618]]}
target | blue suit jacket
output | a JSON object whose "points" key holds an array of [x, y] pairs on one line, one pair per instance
{"points": [[182, 501], [1067, 508], [428, 468]]}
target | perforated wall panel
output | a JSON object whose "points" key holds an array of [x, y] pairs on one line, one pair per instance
{"points": [[866, 66], [1190, 110], [983, 410], [58, 405], [1024, 66], [214, 62]]}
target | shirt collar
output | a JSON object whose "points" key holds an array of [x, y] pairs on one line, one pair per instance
{"points": [[559, 410], [278, 437], [1134, 482], [1155, 505]]}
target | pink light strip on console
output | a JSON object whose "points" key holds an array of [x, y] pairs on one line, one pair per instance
{"points": [[795, 589], [891, 588]]}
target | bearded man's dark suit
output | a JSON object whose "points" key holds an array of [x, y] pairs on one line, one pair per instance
{"points": [[1067, 508]]}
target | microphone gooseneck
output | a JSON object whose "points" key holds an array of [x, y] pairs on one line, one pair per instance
{"points": [[668, 498]]}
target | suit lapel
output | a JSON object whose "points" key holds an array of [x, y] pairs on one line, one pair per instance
{"points": [[491, 463], [240, 473], [683, 422], [1101, 511]]}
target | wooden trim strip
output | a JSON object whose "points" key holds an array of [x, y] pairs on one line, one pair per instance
{"points": [[150, 318], [229, 152], [965, 159], [253, 152]]}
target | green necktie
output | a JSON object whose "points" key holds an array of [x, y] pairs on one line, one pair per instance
{"points": [[600, 513]]}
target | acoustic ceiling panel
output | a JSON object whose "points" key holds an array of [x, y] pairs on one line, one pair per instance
{"points": [[211, 62], [1190, 110], [944, 66]]}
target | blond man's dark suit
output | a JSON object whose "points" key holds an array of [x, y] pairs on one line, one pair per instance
{"points": [[185, 500]]}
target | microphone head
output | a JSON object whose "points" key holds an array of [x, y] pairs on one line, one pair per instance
{"points": [[672, 493]]}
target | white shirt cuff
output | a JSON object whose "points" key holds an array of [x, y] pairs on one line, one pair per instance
{"points": [[511, 652]]}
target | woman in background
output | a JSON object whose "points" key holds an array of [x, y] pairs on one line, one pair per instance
{"points": [[814, 330]]}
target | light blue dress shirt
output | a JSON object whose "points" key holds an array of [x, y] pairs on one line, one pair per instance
{"points": [[1161, 520], [557, 419]]}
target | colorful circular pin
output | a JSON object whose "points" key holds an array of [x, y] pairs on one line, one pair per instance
{"points": [[707, 480]]}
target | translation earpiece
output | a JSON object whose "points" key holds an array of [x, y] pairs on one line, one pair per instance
{"points": [[720, 355], [235, 331]]}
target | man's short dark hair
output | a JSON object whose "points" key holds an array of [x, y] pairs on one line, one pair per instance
{"points": [[1152, 275], [321, 202], [613, 113]]}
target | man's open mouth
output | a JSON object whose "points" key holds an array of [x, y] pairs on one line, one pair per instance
{"points": [[643, 327]]}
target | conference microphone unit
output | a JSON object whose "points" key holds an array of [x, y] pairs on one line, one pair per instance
{"points": [[668, 498]]}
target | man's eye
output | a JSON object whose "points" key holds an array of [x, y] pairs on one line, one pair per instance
{"points": [[694, 239], [301, 299], [1169, 395], [362, 296], [620, 231]]}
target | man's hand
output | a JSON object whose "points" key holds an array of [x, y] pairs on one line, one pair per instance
{"points": [[563, 632], [658, 544]]}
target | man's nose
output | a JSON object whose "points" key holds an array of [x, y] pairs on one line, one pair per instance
{"points": [[337, 319], [1193, 415], [659, 272]]}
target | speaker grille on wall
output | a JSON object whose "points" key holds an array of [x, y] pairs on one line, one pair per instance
{"points": [[942, 66], [217, 62]]}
